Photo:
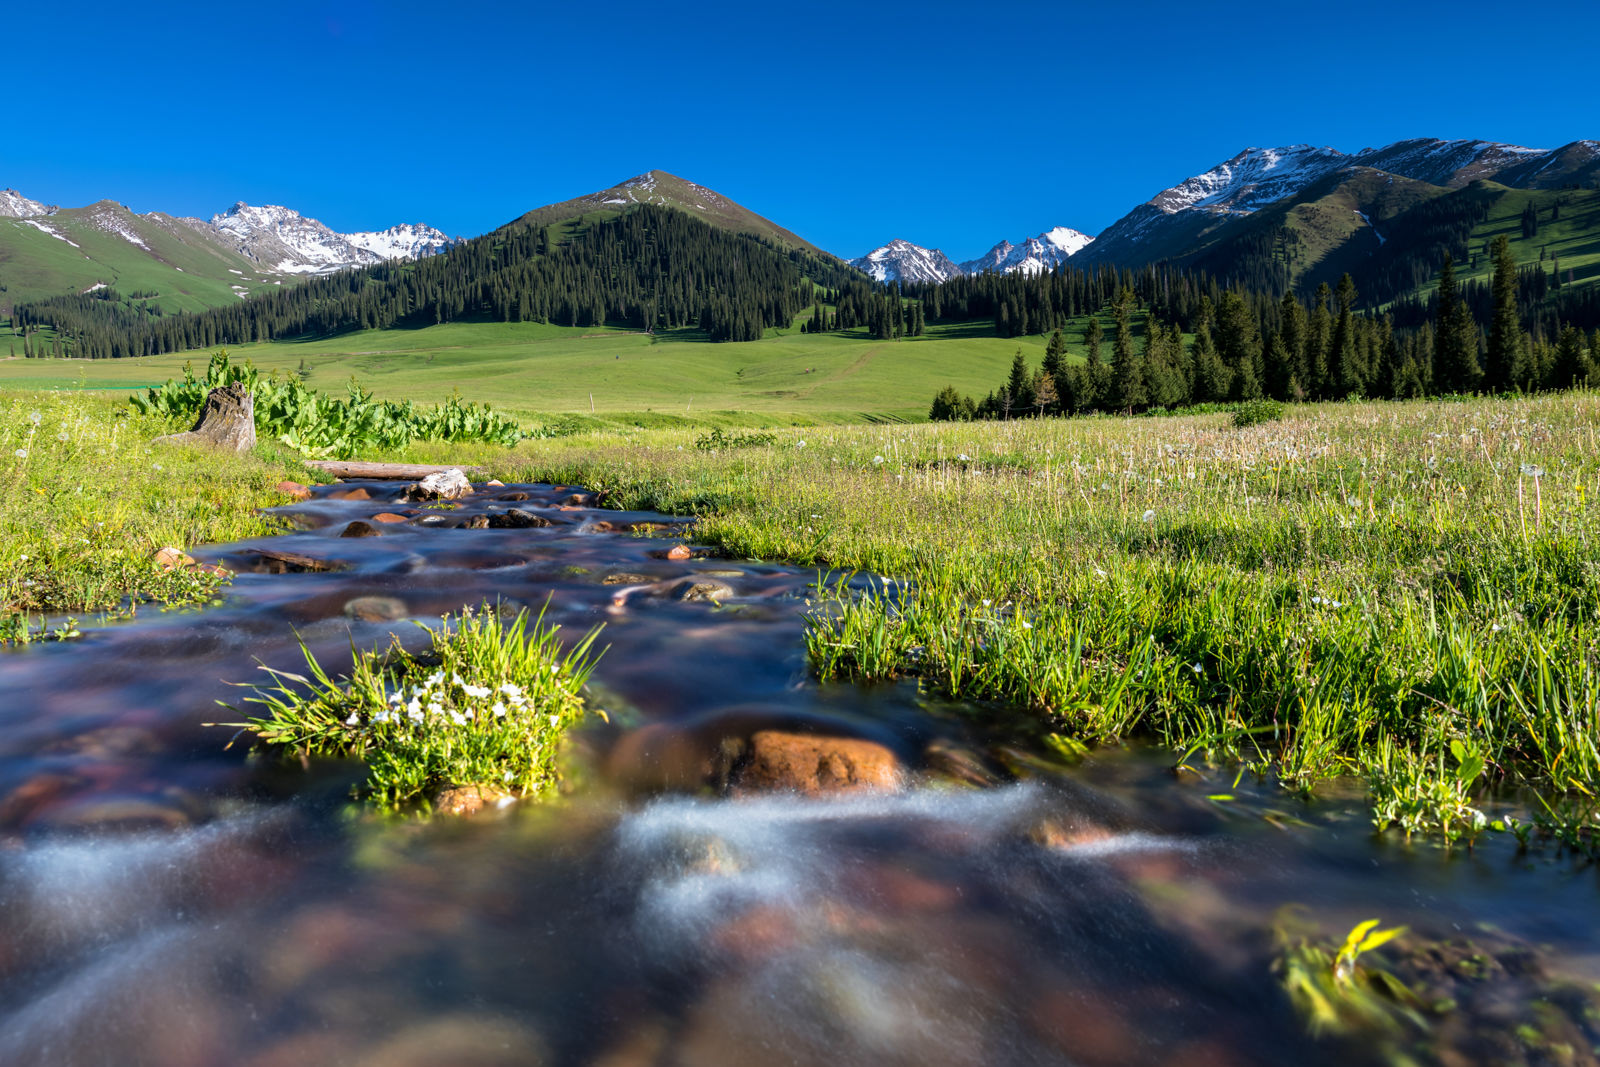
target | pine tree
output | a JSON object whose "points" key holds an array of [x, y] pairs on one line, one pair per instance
{"points": [[1347, 369], [1504, 364], [1455, 346], [1054, 353], [1239, 345], [1020, 386], [1127, 372]]}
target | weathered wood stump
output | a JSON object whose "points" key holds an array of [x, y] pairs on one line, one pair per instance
{"points": [[227, 422]]}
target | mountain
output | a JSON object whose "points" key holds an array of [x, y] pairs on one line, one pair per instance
{"points": [[1041, 253], [902, 261], [1180, 221], [668, 190], [283, 241], [13, 205], [178, 264]]}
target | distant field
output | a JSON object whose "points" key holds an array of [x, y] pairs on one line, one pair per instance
{"points": [[526, 368]]}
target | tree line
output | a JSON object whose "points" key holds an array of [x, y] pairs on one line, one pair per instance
{"points": [[1322, 350], [648, 268]]}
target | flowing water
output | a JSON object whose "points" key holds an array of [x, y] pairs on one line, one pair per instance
{"points": [[164, 899]]}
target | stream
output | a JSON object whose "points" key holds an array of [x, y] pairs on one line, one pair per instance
{"points": [[167, 899]]}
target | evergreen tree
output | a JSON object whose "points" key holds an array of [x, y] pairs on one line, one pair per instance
{"points": [[1455, 346], [1127, 371], [1020, 386], [1239, 345], [1347, 365], [1504, 363]]}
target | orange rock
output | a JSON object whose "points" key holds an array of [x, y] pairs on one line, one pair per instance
{"points": [[170, 558], [469, 799], [679, 552], [356, 493], [216, 570], [294, 490], [388, 516], [811, 764]]}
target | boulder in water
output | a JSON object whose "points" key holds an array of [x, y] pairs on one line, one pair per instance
{"points": [[814, 765], [470, 799], [445, 485]]}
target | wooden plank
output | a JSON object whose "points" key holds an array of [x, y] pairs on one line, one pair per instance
{"points": [[347, 469]]}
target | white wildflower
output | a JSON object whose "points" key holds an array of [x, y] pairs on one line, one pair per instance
{"points": [[876, 460], [499, 709], [963, 457], [476, 691], [22, 453], [1150, 515], [34, 417], [353, 720]]}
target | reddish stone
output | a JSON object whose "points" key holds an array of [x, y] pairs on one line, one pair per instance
{"points": [[294, 490], [679, 552], [388, 516], [360, 529], [170, 558], [811, 764], [355, 493]]}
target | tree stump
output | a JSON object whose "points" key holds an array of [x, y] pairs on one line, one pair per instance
{"points": [[227, 422]]}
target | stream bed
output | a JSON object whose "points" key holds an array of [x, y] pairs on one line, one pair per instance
{"points": [[167, 900]]}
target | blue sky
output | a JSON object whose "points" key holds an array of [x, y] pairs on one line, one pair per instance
{"points": [[951, 125]]}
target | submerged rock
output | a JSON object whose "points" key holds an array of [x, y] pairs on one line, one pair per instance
{"points": [[388, 516], [376, 608], [470, 799], [353, 493], [359, 529], [813, 764]]}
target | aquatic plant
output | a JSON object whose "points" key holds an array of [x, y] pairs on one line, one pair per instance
{"points": [[486, 704]]}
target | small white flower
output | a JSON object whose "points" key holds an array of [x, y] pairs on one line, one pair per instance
{"points": [[34, 417], [1149, 515], [157, 467], [63, 436], [1197, 668], [1026, 625], [22, 453], [457, 718], [876, 460], [353, 720], [963, 457], [1532, 471], [511, 689], [555, 720], [476, 691], [499, 710], [23, 558], [799, 444], [1316, 600], [1495, 628]]}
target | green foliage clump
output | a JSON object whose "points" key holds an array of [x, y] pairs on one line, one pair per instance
{"points": [[1255, 412], [487, 705], [320, 425], [717, 440]]}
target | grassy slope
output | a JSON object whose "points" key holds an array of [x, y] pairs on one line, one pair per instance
{"points": [[528, 368], [189, 272]]}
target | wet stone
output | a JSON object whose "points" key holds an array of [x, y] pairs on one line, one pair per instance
{"points": [[353, 493], [624, 578], [376, 609], [445, 485], [471, 799], [279, 561], [675, 552], [517, 519], [294, 490], [519, 495], [812, 764], [360, 529], [388, 516], [108, 814], [703, 589]]}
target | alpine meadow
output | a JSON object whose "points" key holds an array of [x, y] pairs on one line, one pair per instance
{"points": [[645, 626]]}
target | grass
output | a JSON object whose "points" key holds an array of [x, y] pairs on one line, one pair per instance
{"points": [[88, 500], [631, 379], [1405, 592], [486, 706]]}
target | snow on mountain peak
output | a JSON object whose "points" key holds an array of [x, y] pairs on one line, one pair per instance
{"points": [[1036, 254], [283, 240], [14, 205], [902, 261], [1254, 177]]}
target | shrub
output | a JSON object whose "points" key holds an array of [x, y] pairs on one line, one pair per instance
{"points": [[1252, 412]]}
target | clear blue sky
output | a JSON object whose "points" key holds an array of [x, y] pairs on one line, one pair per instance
{"points": [[951, 125]]}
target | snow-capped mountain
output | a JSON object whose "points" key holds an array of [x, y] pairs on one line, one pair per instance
{"points": [[902, 261], [1251, 179], [1169, 223], [284, 241], [13, 205], [1036, 254]]}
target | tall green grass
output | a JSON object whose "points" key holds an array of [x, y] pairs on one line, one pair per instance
{"points": [[1401, 591]]}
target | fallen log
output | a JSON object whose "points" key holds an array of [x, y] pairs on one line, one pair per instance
{"points": [[411, 472]]}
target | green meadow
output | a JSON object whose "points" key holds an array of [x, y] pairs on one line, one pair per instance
{"points": [[531, 369]]}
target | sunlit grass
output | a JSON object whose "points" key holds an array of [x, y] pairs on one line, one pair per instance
{"points": [[486, 705], [1355, 588], [86, 499]]}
